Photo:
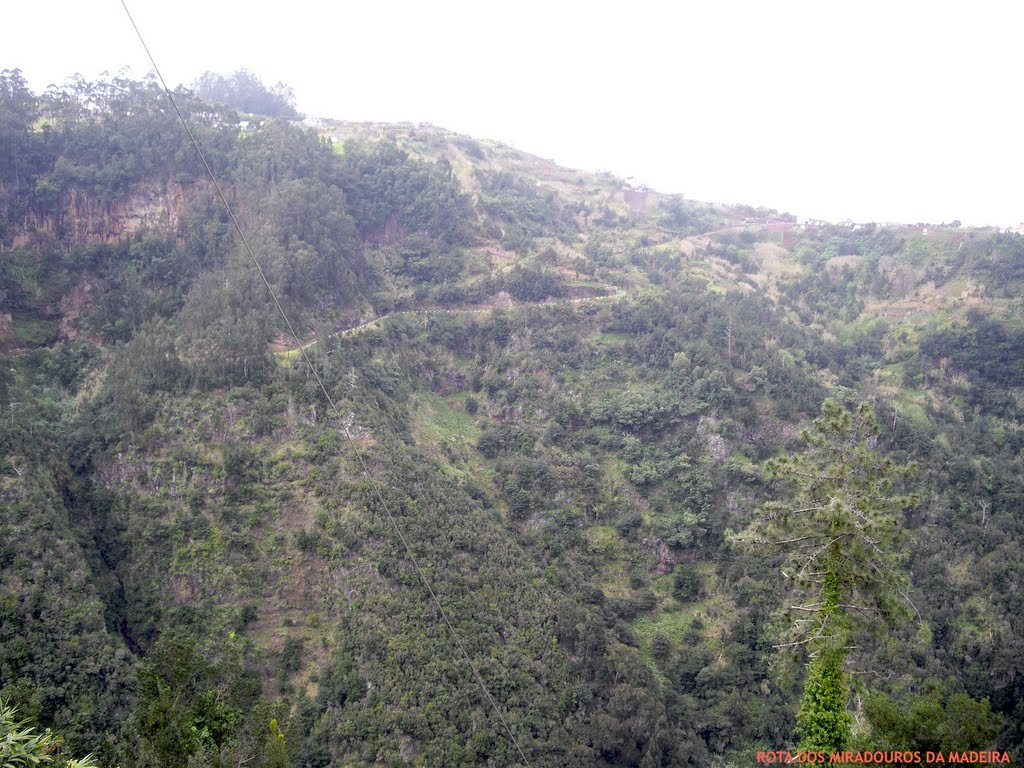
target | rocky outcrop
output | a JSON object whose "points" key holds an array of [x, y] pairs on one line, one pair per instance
{"points": [[85, 219]]}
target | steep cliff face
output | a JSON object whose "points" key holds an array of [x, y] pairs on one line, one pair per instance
{"points": [[42, 287], [85, 219]]}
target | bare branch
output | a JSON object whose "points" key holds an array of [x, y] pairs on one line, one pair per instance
{"points": [[906, 597], [817, 554], [798, 539], [804, 642]]}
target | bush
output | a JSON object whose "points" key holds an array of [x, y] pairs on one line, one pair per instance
{"points": [[686, 584]]}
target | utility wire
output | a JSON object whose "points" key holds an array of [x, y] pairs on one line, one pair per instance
{"points": [[391, 518]]}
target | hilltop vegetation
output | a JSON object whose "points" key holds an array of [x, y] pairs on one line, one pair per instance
{"points": [[568, 405]]}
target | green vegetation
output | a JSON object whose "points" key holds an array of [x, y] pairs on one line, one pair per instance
{"points": [[244, 91], [569, 407], [840, 528], [23, 747]]}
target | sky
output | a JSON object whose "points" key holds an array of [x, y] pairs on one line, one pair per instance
{"points": [[870, 111]]}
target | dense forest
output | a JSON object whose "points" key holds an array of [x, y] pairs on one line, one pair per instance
{"points": [[599, 416]]}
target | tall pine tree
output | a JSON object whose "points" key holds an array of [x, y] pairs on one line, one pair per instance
{"points": [[840, 529]]}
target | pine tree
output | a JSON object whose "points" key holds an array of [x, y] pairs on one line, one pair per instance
{"points": [[840, 529]]}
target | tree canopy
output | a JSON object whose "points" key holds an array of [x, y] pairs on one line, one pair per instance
{"points": [[245, 91]]}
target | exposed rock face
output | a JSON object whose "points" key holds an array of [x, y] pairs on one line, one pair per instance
{"points": [[85, 219], [70, 307]]}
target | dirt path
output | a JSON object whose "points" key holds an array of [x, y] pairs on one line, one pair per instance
{"points": [[280, 344]]}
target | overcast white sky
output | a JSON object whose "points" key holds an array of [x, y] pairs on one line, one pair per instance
{"points": [[873, 111]]}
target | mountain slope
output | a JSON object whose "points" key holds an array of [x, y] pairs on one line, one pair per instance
{"points": [[565, 401]]}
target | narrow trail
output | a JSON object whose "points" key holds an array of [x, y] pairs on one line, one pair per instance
{"points": [[280, 348], [279, 345]]}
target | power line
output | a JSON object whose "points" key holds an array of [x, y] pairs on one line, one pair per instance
{"points": [[394, 524]]}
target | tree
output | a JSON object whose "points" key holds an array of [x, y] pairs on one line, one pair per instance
{"points": [[23, 747], [246, 91], [936, 721], [17, 113], [840, 529], [686, 583], [185, 704], [276, 749]]}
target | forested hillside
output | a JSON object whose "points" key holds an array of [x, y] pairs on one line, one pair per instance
{"points": [[573, 396]]}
